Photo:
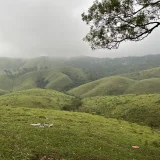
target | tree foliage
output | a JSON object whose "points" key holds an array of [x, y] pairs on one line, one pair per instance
{"points": [[114, 21]]}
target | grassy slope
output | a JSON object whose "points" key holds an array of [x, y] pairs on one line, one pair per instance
{"points": [[27, 81], [115, 85], [5, 83], [2, 92], [65, 77], [58, 79], [10, 63], [95, 67], [98, 67], [146, 74], [62, 79], [75, 74], [74, 136], [143, 109], [54, 78], [146, 86], [88, 69], [36, 98]]}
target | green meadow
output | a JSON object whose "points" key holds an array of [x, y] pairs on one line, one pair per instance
{"points": [[74, 136]]}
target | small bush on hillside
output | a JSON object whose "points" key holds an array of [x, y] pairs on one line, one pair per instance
{"points": [[156, 143], [41, 82], [74, 106]]}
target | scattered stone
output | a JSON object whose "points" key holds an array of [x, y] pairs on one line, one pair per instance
{"points": [[42, 125]]}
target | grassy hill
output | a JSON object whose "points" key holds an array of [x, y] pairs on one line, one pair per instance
{"points": [[10, 63], [114, 85], [36, 98], [117, 85], [144, 109], [146, 86], [2, 92], [98, 67], [6, 83], [63, 74], [49, 79], [95, 68], [77, 136], [145, 74], [59, 79], [109, 125]]}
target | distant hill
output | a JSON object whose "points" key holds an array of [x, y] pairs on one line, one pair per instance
{"points": [[114, 85], [6, 83], [117, 85], [10, 63], [144, 109], [145, 74], [146, 86], [63, 74], [2, 92], [96, 68], [59, 79]]}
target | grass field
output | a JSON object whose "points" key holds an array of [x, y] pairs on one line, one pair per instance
{"points": [[74, 136]]}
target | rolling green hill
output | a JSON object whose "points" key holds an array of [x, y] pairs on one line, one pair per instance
{"points": [[59, 79], [100, 128], [6, 83], [2, 92], [49, 79], [146, 86], [95, 68], [73, 136], [10, 63], [98, 67], [146, 74], [36, 98], [144, 109], [114, 85], [63, 74], [117, 85]]}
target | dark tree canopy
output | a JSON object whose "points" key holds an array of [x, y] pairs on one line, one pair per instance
{"points": [[114, 21]]}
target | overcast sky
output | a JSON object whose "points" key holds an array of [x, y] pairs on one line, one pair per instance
{"points": [[31, 28]]}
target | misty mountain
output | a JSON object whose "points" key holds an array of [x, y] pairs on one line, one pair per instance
{"points": [[63, 74], [95, 67]]}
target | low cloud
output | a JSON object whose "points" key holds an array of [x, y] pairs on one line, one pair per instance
{"points": [[30, 28]]}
